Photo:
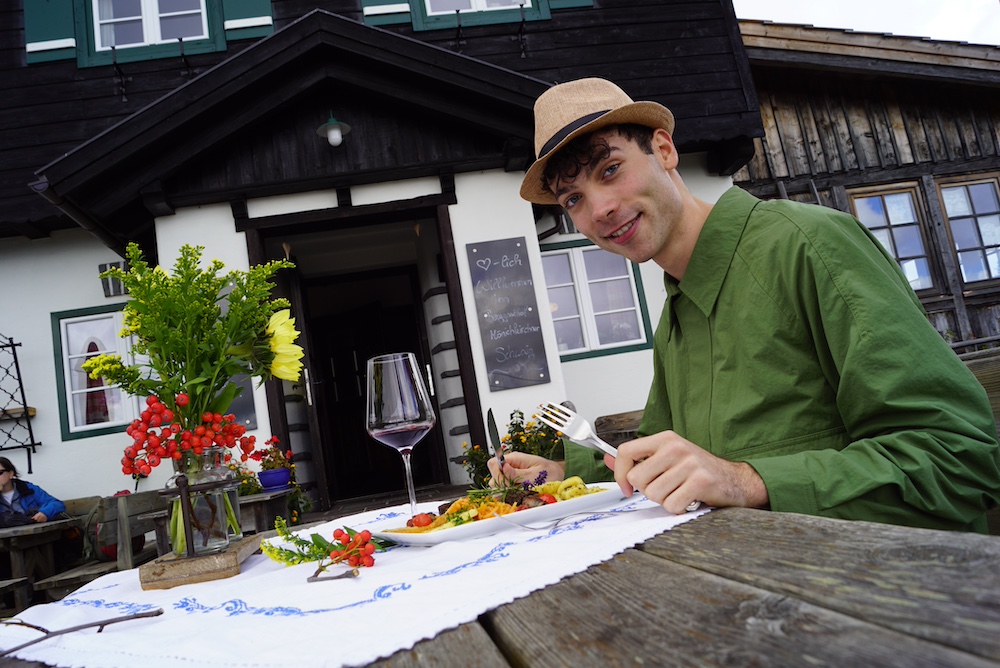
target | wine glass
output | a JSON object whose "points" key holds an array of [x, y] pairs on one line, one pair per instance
{"points": [[399, 409]]}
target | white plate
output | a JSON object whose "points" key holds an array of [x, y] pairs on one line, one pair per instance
{"points": [[487, 527]]}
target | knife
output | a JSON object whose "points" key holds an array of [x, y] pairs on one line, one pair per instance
{"points": [[495, 439]]}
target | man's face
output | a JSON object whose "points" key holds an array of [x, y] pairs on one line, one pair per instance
{"points": [[626, 202]]}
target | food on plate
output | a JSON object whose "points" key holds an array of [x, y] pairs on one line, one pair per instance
{"points": [[483, 504]]}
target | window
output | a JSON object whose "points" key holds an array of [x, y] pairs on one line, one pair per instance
{"points": [[124, 23], [892, 218], [973, 212], [452, 6], [595, 301], [88, 407]]}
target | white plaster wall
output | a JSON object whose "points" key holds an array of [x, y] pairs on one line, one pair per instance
{"points": [[488, 208], [619, 383], [40, 277], [213, 227]]}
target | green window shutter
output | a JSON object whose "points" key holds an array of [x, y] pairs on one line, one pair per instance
{"points": [[247, 19], [48, 30]]}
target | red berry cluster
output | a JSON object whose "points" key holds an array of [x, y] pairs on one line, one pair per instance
{"points": [[356, 550], [156, 436]]}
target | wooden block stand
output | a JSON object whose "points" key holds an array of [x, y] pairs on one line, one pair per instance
{"points": [[172, 571]]}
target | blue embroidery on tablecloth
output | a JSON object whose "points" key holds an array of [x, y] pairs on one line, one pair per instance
{"points": [[386, 516], [124, 607], [236, 607], [496, 554]]}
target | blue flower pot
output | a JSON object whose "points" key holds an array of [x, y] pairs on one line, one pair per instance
{"points": [[274, 478]]}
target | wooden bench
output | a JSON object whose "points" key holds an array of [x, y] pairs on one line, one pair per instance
{"points": [[114, 522]]}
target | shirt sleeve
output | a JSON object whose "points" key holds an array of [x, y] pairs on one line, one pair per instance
{"points": [[43, 502], [923, 443]]}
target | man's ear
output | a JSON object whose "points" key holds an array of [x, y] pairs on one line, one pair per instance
{"points": [[664, 149]]}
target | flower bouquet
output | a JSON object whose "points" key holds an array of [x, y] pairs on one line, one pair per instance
{"points": [[192, 332]]}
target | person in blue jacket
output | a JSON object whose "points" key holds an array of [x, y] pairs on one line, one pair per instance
{"points": [[20, 497]]}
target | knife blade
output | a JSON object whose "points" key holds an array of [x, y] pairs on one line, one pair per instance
{"points": [[495, 439]]}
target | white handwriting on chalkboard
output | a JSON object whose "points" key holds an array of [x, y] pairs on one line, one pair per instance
{"points": [[504, 354], [506, 261], [521, 312], [512, 330], [501, 283]]}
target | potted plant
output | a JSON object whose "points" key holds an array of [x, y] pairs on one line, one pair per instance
{"points": [[275, 465]]}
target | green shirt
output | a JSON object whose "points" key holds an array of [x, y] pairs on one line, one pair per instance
{"points": [[794, 343]]}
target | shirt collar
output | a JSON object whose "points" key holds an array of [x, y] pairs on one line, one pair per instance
{"points": [[714, 251]]}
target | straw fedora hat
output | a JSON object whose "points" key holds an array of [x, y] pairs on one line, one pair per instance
{"points": [[569, 110]]}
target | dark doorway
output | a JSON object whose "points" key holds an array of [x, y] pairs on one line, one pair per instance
{"points": [[354, 317]]}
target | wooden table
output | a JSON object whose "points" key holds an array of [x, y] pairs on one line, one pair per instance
{"points": [[744, 587], [30, 549]]}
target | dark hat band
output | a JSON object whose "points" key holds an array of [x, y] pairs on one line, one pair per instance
{"points": [[568, 130]]}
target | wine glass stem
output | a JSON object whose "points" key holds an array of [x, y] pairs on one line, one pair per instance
{"points": [[409, 482]]}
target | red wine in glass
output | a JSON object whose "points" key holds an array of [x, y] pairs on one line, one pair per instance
{"points": [[399, 409]]}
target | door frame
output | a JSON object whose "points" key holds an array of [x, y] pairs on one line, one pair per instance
{"points": [[430, 206]]}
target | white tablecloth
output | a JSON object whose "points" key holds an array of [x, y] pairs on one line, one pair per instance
{"points": [[269, 616]]}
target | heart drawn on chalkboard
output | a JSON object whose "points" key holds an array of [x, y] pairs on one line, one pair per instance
{"points": [[485, 263]]}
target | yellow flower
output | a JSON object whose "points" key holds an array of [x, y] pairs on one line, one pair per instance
{"points": [[281, 333]]}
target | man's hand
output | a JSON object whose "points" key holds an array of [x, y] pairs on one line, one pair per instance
{"points": [[520, 466], [40, 517], [673, 472]]}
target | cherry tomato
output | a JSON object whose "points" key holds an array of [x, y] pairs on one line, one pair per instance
{"points": [[422, 520], [547, 498]]}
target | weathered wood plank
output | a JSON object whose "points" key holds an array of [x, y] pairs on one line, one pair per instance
{"points": [[467, 645], [825, 565], [668, 614]]}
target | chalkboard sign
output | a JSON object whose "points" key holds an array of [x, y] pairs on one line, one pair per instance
{"points": [[508, 314]]}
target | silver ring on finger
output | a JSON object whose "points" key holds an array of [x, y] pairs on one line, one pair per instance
{"points": [[694, 505]]}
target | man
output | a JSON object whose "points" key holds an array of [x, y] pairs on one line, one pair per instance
{"points": [[794, 368]]}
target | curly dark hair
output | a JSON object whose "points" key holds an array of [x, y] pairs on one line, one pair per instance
{"points": [[592, 147]]}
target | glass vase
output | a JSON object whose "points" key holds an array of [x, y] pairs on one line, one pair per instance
{"points": [[210, 521]]}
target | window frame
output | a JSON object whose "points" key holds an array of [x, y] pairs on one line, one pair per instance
{"points": [[576, 249], [64, 391], [931, 248], [970, 287], [150, 17], [89, 54], [423, 20]]}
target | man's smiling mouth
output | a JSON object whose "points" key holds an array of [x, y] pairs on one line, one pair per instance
{"points": [[623, 229]]}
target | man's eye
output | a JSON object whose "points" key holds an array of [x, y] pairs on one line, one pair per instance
{"points": [[570, 201], [611, 169]]}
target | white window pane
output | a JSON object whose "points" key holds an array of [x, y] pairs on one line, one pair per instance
{"points": [[973, 266], [569, 334], [964, 232], [899, 207], [557, 270], [908, 241], [870, 211], [989, 226], [993, 261], [602, 264], [122, 34], [98, 407], [984, 198], [611, 295], [956, 202], [917, 272], [562, 302], [81, 334], [883, 238], [185, 26], [169, 6], [439, 6], [618, 327], [119, 9], [496, 4]]}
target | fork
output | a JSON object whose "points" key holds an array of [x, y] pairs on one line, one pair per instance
{"points": [[552, 524], [576, 427], [578, 430]]}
